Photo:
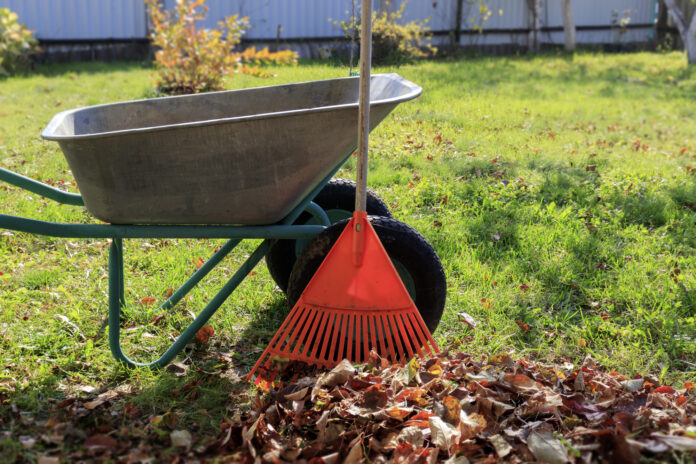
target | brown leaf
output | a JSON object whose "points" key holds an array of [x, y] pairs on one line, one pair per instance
{"points": [[467, 319], [522, 382], [204, 334], [101, 399], [298, 395], [523, 325], [502, 447], [339, 375], [181, 439], [547, 448], [452, 409], [442, 434], [579, 383], [412, 435], [399, 413], [178, 369], [675, 442], [470, 424], [48, 460], [27, 441], [100, 441]]}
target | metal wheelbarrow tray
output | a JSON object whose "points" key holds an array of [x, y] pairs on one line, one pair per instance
{"points": [[242, 164], [235, 157]]}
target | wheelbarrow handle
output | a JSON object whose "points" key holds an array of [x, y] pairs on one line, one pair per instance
{"points": [[40, 188]]}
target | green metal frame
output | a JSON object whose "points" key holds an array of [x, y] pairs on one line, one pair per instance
{"points": [[117, 233]]}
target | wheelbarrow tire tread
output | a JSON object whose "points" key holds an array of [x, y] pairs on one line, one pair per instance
{"points": [[337, 194], [402, 243]]}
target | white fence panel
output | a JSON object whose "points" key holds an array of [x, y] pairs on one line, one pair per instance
{"points": [[81, 19], [313, 19]]}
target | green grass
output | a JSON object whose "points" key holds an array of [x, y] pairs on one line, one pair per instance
{"points": [[493, 164]]}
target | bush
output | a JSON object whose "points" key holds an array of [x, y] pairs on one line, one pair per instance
{"points": [[392, 42], [17, 44], [191, 60]]}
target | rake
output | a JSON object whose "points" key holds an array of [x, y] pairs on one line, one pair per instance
{"points": [[356, 302]]}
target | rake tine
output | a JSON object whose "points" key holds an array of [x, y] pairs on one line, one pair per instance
{"points": [[365, 339], [397, 338], [336, 334], [294, 341], [381, 331], [331, 327], [285, 334], [317, 345], [389, 336], [318, 320], [306, 324], [416, 341], [373, 332], [349, 342], [342, 342], [422, 329], [403, 335]]}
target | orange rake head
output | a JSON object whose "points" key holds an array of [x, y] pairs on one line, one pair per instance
{"points": [[355, 303]]}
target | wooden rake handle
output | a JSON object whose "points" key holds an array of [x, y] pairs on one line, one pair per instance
{"points": [[364, 105]]}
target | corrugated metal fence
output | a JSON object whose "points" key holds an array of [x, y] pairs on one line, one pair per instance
{"points": [[95, 20]]}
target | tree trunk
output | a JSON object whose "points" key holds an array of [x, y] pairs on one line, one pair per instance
{"points": [[534, 40], [568, 26], [687, 31]]}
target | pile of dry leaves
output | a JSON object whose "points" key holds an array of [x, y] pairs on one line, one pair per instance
{"points": [[458, 409], [452, 408]]}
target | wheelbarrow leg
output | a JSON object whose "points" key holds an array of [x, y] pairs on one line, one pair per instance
{"points": [[115, 303]]}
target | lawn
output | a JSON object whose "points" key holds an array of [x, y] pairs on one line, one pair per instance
{"points": [[559, 193]]}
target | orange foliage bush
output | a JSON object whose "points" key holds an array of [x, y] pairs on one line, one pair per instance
{"points": [[191, 60]]}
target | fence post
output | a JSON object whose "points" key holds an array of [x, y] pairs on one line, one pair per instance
{"points": [[534, 11], [458, 22]]}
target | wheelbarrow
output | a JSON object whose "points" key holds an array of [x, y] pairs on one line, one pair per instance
{"points": [[242, 164]]}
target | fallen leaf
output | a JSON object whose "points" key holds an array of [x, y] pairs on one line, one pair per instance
{"points": [[547, 448], [27, 441], [399, 413], [298, 395], [664, 389], [101, 399], [147, 300], [100, 441], [181, 439], [48, 460], [339, 375], [442, 434], [502, 447], [523, 325], [467, 319], [471, 424], [633, 385], [204, 334], [677, 442], [178, 369]]}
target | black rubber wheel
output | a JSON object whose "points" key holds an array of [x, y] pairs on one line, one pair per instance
{"points": [[337, 198], [414, 258]]}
